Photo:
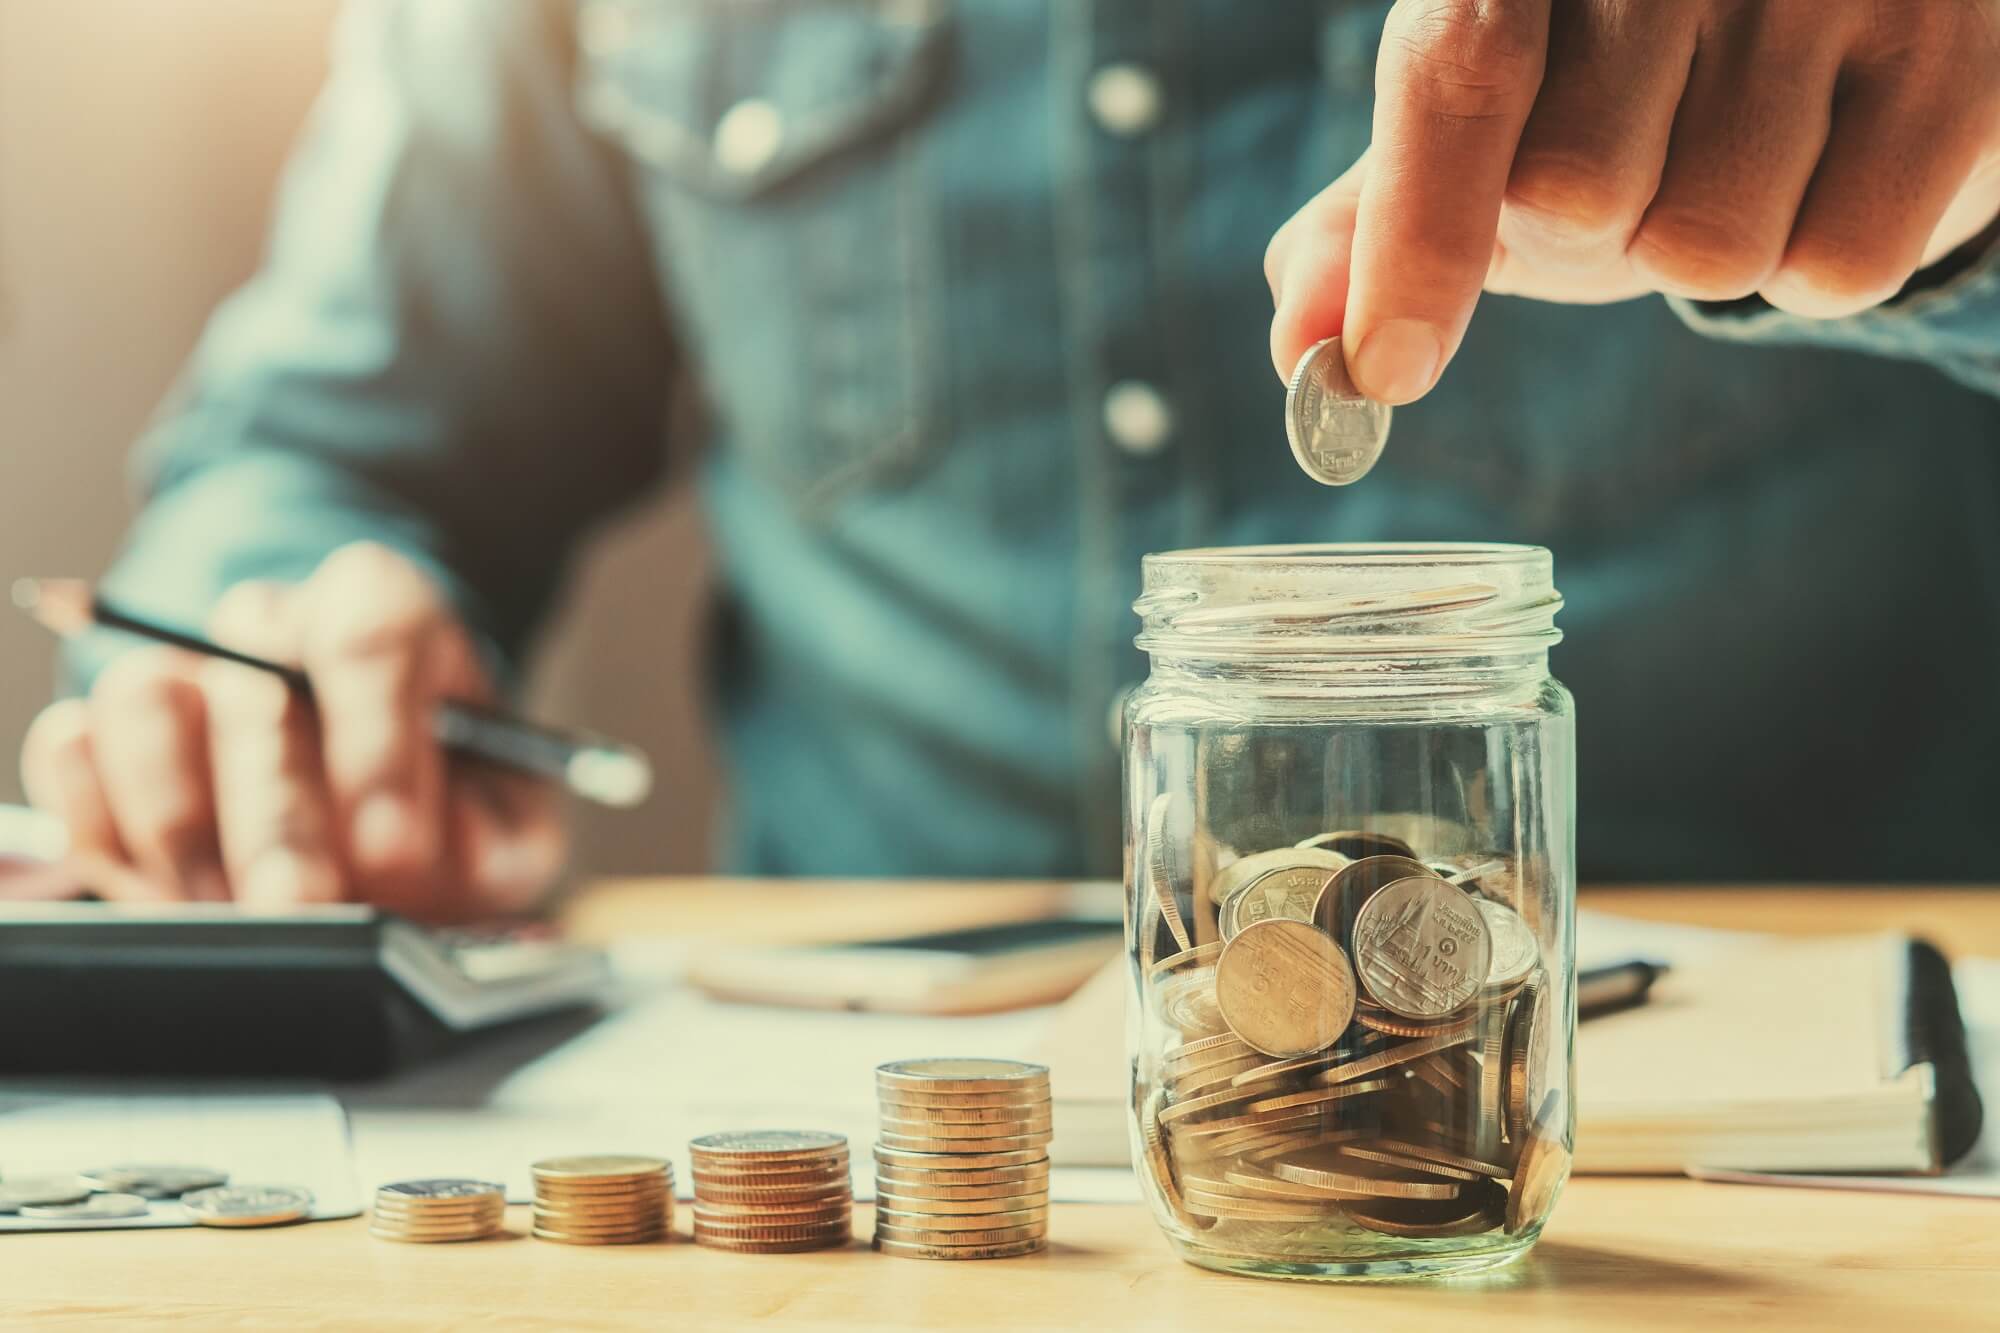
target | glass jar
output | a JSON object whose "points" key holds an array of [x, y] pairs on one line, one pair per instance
{"points": [[1350, 900]]}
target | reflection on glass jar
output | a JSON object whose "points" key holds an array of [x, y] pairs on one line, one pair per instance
{"points": [[1349, 802]]}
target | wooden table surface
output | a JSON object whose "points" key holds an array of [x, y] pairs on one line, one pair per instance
{"points": [[1619, 1254]]}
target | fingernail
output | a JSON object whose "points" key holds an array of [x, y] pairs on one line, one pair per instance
{"points": [[1398, 362], [385, 831], [282, 878]]}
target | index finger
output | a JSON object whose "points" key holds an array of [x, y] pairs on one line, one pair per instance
{"points": [[1454, 83]]}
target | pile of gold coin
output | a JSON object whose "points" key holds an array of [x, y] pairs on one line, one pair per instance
{"points": [[1356, 1037], [777, 1191], [604, 1200], [429, 1212], [962, 1164]]}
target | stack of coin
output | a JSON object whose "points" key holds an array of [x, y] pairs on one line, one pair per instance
{"points": [[603, 1200], [438, 1211], [1359, 1040], [962, 1165], [772, 1191]]}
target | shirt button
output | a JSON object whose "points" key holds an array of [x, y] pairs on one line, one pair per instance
{"points": [[748, 135], [1137, 418], [1125, 99]]}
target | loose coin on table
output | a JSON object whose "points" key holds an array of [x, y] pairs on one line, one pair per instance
{"points": [[19, 1192], [96, 1208], [248, 1205], [155, 1182]]}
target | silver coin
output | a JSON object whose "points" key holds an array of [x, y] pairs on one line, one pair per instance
{"points": [[30, 1191], [248, 1205], [1290, 891], [1516, 952], [97, 1208], [1421, 948], [155, 1182], [441, 1189], [1336, 434], [1244, 871]]}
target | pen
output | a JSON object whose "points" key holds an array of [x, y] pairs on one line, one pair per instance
{"points": [[1600, 990], [595, 769]]}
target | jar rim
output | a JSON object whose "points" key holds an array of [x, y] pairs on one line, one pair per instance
{"points": [[1360, 553]]}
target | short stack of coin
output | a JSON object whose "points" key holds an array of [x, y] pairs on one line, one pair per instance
{"points": [[430, 1212], [779, 1191], [962, 1164], [603, 1200]]}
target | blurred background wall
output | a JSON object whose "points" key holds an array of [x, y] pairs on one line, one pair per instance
{"points": [[140, 141]]}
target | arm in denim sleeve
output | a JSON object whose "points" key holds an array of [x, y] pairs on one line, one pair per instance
{"points": [[1948, 315], [455, 345]]}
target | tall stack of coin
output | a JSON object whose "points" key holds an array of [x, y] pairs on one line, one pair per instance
{"points": [[1359, 1040], [603, 1200], [962, 1164], [774, 1191], [429, 1212]]}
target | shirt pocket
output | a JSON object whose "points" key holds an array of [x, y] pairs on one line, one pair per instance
{"points": [[779, 170]]}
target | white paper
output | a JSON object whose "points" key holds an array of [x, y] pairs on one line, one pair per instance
{"points": [[670, 1066], [259, 1137]]}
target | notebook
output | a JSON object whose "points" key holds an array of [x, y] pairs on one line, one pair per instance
{"points": [[1835, 1054]]}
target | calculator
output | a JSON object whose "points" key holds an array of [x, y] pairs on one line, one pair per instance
{"points": [[340, 992]]}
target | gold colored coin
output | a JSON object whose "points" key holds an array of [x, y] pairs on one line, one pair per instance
{"points": [[1530, 1030], [999, 1203], [590, 1238], [967, 1115], [1407, 1162], [961, 1075], [1368, 1178], [767, 1198], [1194, 1106], [1382, 1021], [1345, 894], [1214, 1077], [1318, 1096], [985, 1236], [1297, 1119], [1174, 962], [906, 1250], [836, 1168], [1259, 1210], [1390, 1056], [1288, 892], [962, 1184], [830, 1242], [990, 1129], [724, 1212], [1545, 1162], [960, 1101], [1359, 845], [1262, 1184], [1187, 1001], [776, 1230], [1285, 987], [1431, 1152], [955, 1162], [1479, 1209], [1226, 1045], [766, 1145], [1019, 1217], [1421, 948], [603, 1168], [973, 1147]]}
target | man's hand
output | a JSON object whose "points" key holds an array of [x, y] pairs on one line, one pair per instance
{"points": [[183, 777], [1814, 152]]}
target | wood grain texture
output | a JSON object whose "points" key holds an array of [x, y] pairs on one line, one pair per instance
{"points": [[1619, 1254]]}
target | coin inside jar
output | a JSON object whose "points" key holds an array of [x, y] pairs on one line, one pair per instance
{"points": [[1421, 948], [1350, 889], [1289, 892], [1285, 988]]}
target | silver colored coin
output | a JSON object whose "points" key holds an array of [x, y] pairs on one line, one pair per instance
{"points": [[1240, 874], [1421, 948], [248, 1205], [155, 1182], [32, 1191], [441, 1189], [97, 1208], [1336, 434], [1516, 952], [1288, 892]]}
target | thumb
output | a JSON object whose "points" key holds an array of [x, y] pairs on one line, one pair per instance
{"points": [[1307, 265]]}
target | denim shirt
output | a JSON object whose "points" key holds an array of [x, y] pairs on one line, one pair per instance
{"points": [[953, 309]]}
